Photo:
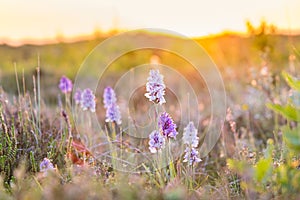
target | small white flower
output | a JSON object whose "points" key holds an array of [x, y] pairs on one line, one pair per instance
{"points": [[190, 135]]}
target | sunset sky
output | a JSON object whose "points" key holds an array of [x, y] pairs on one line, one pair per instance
{"points": [[37, 20]]}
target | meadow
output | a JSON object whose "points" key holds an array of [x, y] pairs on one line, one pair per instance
{"points": [[44, 154]]}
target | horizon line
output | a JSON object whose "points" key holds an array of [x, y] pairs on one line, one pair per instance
{"points": [[60, 38]]}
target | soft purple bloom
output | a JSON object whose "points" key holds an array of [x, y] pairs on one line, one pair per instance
{"points": [[167, 126], [88, 100], [109, 97], [191, 156], [190, 135], [46, 165], [157, 141], [110, 104], [113, 114], [65, 84], [155, 87], [77, 96]]}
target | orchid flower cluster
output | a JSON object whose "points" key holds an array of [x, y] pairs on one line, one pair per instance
{"points": [[191, 140], [167, 130], [155, 88], [85, 98]]}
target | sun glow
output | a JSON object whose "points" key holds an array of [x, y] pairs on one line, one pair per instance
{"points": [[35, 21]]}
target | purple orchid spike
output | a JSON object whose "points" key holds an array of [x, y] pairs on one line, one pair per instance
{"points": [[88, 100], [167, 126], [65, 85], [155, 87]]}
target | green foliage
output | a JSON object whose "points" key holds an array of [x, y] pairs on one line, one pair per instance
{"points": [[264, 177], [21, 139], [263, 170], [292, 137], [8, 149], [291, 81], [236, 165], [277, 170], [288, 111]]}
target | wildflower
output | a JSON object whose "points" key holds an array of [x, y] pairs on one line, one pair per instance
{"points": [[46, 165], [229, 118], [77, 96], [109, 97], [167, 126], [65, 85], [88, 100], [157, 141], [110, 104], [190, 135], [113, 114], [191, 156], [155, 87]]}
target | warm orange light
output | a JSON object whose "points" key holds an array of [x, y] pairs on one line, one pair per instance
{"points": [[39, 22]]}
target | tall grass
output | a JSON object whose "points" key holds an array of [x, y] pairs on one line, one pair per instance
{"points": [[256, 157]]}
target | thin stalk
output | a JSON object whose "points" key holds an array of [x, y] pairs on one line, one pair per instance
{"points": [[39, 93], [35, 119], [171, 163], [276, 128], [23, 79], [157, 169], [193, 176], [159, 161], [17, 80], [156, 116]]}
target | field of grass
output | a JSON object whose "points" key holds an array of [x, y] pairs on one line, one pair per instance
{"points": [[256, 156], [228, 51]]}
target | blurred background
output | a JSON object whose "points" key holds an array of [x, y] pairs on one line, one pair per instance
{"points": [[247, 40]]}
